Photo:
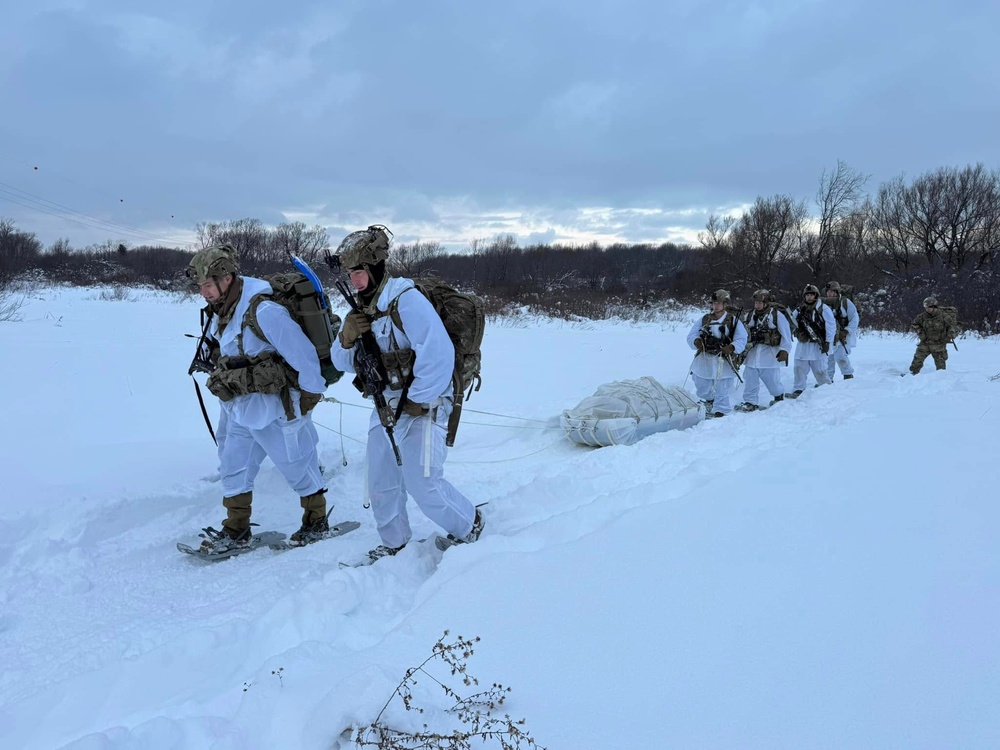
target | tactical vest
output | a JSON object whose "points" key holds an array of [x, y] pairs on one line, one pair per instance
{"points": [[727, 329], [759, 332], [810, 325], [267, 373]]}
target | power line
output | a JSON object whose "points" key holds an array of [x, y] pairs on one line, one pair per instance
{"points": [[15, 194], [67, 214], [43, 205]]}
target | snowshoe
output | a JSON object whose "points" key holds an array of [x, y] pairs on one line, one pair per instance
{"points": [[444, 542]]}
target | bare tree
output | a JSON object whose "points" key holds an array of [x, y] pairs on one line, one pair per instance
{"points": [[414, 258], [248, 237], [18, 250], [840, 194], [966, 226], [770, 232], [888, 233], [717, 232], [949, 217], [295, 238]]}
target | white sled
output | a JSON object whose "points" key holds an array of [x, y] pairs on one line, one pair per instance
{"points": [[626, 411]]}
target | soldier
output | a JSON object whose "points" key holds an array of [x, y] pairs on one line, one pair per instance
{"points": [[415, 346], [266, 387], [716, 337], [815, 328], [770, 342], [935, 330], [845, 313]]}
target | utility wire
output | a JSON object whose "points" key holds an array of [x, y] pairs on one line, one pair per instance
{"points": [[43, 205]]}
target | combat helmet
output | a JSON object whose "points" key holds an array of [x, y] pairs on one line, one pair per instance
{"points": [[930, 302], [364, 248], [834, 286], [212, 263], [810, 289], [721, 295], [762, 295]]}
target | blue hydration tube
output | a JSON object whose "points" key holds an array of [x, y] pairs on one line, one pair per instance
{"points": [[304, 268]]}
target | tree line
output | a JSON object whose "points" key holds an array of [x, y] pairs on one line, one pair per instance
{"points": [[938, 233]]}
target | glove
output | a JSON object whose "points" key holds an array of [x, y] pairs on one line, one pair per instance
{"points": [[308, 401], [413, 408], [355, 324], [842, 336], [782, 356], [825, 347], [728, 350], [699, 345]]}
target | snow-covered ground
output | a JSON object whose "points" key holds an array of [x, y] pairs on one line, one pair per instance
{"points": [[825, 574]]}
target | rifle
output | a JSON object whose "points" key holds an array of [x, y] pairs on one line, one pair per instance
{"points": [[733, 367], [811, 331], [368, 361], [202, 362]]}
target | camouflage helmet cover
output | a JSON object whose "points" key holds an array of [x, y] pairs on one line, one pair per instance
{"points": [[931, 302], [810, 289], [762, 295], [212, 263], [720, 295], [364, 248], [833, 286]]}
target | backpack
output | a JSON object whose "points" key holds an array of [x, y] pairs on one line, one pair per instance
{"points": [[951, 315], [840, 311], [464, 318], [309, 308], [783, 309]]}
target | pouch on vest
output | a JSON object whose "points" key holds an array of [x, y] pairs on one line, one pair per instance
{"points": [[398, 365]]}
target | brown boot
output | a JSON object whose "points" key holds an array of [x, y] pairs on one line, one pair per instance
{"points": [[314, 523], [237, 521], [236, 527]]}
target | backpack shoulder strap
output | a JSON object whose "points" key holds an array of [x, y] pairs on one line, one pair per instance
{"points": [[393, 311], [250, 318]]}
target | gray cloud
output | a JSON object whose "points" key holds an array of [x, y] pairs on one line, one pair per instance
{"points": [[565, 120]]}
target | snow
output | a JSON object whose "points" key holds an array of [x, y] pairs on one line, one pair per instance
{"points": [[821, 575]]}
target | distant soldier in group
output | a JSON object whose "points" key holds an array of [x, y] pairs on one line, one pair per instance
{"points": [[770, 342], [845, 312], [936, 330], [716, 337], [815, 328]]}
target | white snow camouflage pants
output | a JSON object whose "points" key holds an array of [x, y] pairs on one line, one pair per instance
{"points": [[802, 369], [752, 377], [421, 442], [840, 356], [721, 393], [291, 446]]}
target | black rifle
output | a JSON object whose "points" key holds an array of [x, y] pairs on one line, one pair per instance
{"points": [[202, 362], [810, 330], [368, 361]]}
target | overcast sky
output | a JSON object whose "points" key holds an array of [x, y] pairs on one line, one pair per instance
{"points": [[448, 121]]}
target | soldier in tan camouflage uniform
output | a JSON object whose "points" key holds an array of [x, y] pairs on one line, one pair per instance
{"points": [[935, 331]]}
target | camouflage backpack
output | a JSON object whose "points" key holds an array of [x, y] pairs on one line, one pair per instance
{"points": [[951, 315], [783, 309], [464, 318], [296, 293]]}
